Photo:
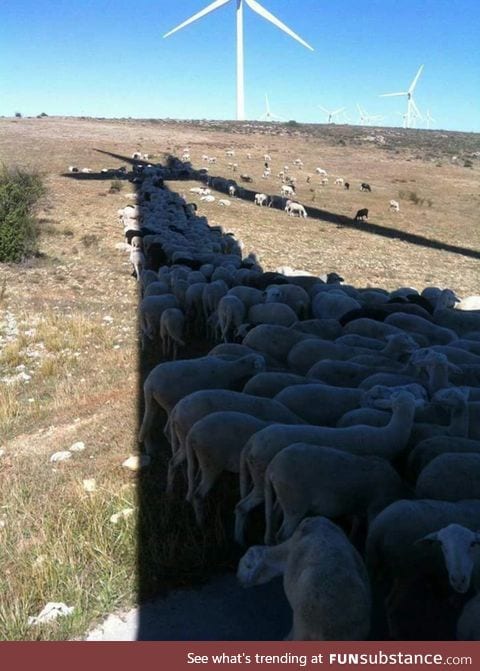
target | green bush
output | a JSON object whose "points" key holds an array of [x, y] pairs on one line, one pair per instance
{"points": [[19, 192]]}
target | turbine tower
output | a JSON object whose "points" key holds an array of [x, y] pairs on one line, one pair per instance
{"points": [[331, 113], [429, 119], [258, 9], [412, 109], [366, 119], [268, 115]]}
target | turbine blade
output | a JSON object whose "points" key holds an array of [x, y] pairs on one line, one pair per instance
{"points": [[339, 110], [387, 95], [417, 111], [256, 7], [324, 109], [206, 10], [414, 83]]}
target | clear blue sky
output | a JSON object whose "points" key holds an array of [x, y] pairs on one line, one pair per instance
{"points": [[108, 58]]}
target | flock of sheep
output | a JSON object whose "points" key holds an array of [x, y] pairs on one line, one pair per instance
{"points": [[350, 414]]}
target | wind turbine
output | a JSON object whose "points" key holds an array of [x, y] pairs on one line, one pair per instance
{"points": [[268, 115], [429, 119], [366, 119], [330, 114], [258, 9], [412, 109]]}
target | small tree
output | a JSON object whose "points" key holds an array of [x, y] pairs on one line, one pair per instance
{"points": [[19, 192], [18, 115]]}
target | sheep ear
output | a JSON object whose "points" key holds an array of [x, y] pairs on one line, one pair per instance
{"points": [[429, 538]]}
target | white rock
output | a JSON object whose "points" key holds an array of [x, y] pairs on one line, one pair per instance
{"points": [[123, 514], [77, 447], [51, 611], [89, 485], [63, 455], [136, 462]]}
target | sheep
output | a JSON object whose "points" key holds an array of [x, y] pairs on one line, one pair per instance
{"points": [[365, 187], [296, 210], [246, 178], [248, 295], [324, 579], [207, 199], [437, 335], [339, 181], [137, 259], [293, 296], [450, 477], [346, 186], [324, 181], [172, 326], [267, 158], [261, 199], [428, 449], [287, 191], [193, 407], [274, 340], [231, 313], [270, 384], [319, 404], [468, 625], [394, 206], [232, 190], [325, 481], [224, 202], [151, 309], [211, 295], [332, 304], [469, 303], [72, 168], [362, 214], [169, 382], [402, 538], [271, 313], [321, 171], [156, 288], [215, 443], [387, 442]]}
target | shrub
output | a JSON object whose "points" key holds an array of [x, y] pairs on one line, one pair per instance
{"points": [[467, 163], [18, 115], [116, 186], [19, 192], [89, 240], [412, 196]]}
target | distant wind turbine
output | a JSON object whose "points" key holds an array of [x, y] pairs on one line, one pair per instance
{"points": [[366, 119], [331, 113], [429, 119], [412, 109], [268, 115], [256, 7]]}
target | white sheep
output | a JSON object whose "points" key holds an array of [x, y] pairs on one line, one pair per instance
{"points": [[231, 313], [290, 294], [172, 326], [207, 199], [287, 191], [193, 407], [402, 538], [324, 181], [387, 442], [321, 171], [224, 202], [261, 199], [232, 190], [214, 443], [324, 579], [339, 181], [306, 478], [272, 313], [296, 210], [169, 382], [450, 477], [394, 206], [137, 259], [272, 383], [151, 309]]}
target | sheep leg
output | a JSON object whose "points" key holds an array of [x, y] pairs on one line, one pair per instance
{"points": [[289, 524], [149, 414], [177, 459], [242, 509]]}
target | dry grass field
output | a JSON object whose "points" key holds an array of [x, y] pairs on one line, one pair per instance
{"points": [[68, 335]]}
